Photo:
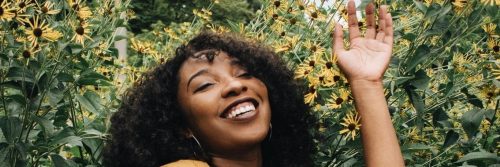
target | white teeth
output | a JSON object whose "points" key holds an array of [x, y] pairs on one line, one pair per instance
{"points": [[236, 111]]}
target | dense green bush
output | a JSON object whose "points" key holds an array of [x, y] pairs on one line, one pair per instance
{"points": [[61, 79]]}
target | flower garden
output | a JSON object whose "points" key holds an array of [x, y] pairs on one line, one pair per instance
{"points": [[62, 76]]}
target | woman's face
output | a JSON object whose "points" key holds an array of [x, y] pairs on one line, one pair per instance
{"points": [[227, 108]]}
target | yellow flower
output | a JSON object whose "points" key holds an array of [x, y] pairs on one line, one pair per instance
{"points": [[315, 48], [140, 46], [413, 134], [314, 13], [6, 13], [303, 71], [336, 100], [312, 93], [491, 2], [351, 125], [286, 45], [47, 9], [496, 72], [23, 5], [81, 9], [39, 30], [493, 44], [81, 33], [29, 52], [280, 5], [458, 61], [485, 126], [204, 14]]}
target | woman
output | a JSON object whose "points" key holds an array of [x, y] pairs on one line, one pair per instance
{"points": [[222, 101]]}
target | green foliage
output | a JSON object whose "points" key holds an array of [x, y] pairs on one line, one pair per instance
{"points": [[148, 12], [57, 92]]}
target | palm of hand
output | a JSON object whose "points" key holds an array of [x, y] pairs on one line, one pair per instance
{"points": [[368, 57]]}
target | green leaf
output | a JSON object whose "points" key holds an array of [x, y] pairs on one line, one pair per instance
{"points": [[55, 96], [19, 74], [421, 80], [481, 155], [415, 147], [418, 103], [451, 138], [70, 140], [90, 77], [46, 125], [420, 6], [471, 121], [65, 77], [420, 55], [11, 128], [91, 102], [61, 162], [75, 48]]}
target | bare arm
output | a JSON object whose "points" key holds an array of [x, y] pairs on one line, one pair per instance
{"points": [[364, 64]]}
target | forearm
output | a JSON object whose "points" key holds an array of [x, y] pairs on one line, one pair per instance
{"points": [[381, 147]]}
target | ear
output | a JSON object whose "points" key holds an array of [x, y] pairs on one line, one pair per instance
{"points": [[187, 133]]}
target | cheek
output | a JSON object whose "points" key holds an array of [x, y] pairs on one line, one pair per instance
{"points": [[202, 109]]}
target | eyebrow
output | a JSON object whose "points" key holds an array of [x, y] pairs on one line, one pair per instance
{"points": [[198, 73]]}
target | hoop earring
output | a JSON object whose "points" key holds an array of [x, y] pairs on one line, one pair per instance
{"points": [[199, 145], [270, 132]]}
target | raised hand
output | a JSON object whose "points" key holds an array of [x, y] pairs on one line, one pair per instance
{"points": [[368, 57]]}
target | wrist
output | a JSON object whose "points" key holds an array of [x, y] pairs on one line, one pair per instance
{"points": [[366, 83]]}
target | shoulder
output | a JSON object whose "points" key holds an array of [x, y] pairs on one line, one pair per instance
{"points": [[186, 163]]}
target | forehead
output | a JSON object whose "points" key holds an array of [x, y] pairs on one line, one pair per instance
{"points": [[192, 64]]}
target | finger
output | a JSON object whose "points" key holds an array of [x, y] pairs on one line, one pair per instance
{"points": [[338, 39], [381, 17], [389, 32], [381, 31], [370, 21], [352, 20]]}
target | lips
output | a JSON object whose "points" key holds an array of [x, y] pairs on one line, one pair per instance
{"points": [[241, 108]]}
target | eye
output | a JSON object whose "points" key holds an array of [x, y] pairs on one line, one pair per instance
{"points": [[245, 75], [202, 87]]}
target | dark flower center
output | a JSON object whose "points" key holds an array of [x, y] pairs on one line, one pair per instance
{"points": [[339, 101], [314, 15], [282, 33], [329, 65], [301, 7], [336, 78], [351, 127], [275, 16], [1, 11], [314, 48], [26, 54], [75, 7], [277, 3], [360, 24], [293, 21], [311, 89], [22, 5], [80, 30], [45, 9], [37, 32], [321, 78], [311, 63], [496, 48], [306, 72]]}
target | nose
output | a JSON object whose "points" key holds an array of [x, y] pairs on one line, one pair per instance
{"points": [[234, 87]]}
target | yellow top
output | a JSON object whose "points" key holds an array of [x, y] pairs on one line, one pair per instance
{"points": [[186, 163]]}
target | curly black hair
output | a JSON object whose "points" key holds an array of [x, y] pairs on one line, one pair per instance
{"points": [[148, 129]]}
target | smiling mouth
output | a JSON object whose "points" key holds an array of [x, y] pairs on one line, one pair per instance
{"points": [[241, 109]]}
